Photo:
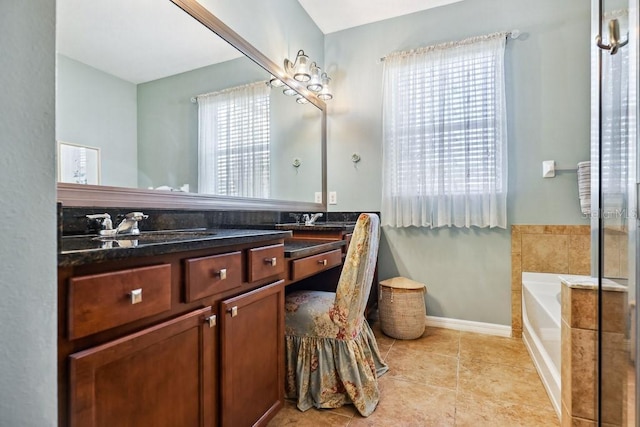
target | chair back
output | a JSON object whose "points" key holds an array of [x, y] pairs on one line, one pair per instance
{"points": [[354, 285]]}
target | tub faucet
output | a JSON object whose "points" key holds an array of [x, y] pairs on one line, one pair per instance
{"points": [[311, 219]]}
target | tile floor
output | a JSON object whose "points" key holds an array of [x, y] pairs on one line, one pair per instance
{"points": [[446, 378]]}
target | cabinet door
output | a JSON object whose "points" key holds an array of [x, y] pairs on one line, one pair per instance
{"points": [[252, 362], [160, 376]]}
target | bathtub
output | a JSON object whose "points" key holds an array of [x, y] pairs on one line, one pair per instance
{"points": [[541, 314]]}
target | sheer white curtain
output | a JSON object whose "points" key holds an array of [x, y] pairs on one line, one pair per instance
{"points": [[233, 141], [445, 135]]}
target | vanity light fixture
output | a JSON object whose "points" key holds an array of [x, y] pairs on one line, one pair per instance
{"points": [[289, 92], [315, 84], [325, 93], [299, 68], [310, 73], [275, 82]]}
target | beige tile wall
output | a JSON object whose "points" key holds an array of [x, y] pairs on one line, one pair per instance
{"points": [[545, 249], [579, 357]]}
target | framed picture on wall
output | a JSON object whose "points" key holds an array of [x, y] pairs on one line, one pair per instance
{"points": [[78, 164]]}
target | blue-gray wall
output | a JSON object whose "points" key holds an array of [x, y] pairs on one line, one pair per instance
{"points": [[99, 110], [467, 271], [277, 28], [28, 320], [168, 120]]}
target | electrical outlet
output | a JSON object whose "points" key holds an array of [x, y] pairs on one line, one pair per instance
{"points": [[333, 198], [318, 197]]}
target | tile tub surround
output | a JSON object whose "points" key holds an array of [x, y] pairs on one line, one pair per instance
{"points": [[579, 350], [545, 249], [445, 378]]}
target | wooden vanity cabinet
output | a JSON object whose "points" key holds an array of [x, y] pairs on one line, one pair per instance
{"points": [[208, 349], [252, 356], [162, 375]]}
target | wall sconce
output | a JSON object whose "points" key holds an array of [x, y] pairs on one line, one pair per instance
{"points": [[303, 71]]}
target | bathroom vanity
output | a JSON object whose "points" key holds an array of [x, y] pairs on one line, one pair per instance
{"points": [[172, 333], [179, 328]]}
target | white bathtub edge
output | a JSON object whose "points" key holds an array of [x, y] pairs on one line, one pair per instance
{"points": [[469, 326], [550, 380]]}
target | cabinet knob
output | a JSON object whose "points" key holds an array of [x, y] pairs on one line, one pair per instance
{"points": [[271, 261], [322, 261], [211, 320], [136, 296], [222, 273], [233, 310]]}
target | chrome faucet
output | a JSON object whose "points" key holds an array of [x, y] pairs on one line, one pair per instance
{"points": [[311, 219], [105, 222], [129, 224]]}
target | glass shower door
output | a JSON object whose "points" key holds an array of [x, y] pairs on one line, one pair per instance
{"points": [[614, 216]]}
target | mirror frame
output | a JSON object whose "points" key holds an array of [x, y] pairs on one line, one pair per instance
{"points": [[103, 196]]}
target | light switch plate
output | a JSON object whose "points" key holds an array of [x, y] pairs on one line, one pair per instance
{"points": [[333, 198], [318, 197], [548, 168]]}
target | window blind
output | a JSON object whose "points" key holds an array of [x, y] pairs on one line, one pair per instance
{"points": [[444, 123], [234, 142]]}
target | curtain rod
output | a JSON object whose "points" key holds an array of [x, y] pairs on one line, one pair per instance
{"points": [[513, 34], [194, 99]]}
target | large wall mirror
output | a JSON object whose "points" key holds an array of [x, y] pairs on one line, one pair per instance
{"points": [[181, 117]]}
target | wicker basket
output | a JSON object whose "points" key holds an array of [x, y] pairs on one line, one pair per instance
{"points": [[402, 309]]}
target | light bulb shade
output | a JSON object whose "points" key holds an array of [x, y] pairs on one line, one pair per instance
{"points": [[325, 94], [275, 82], [315, 83], [289, 92], [302, 100], [301, 69]]}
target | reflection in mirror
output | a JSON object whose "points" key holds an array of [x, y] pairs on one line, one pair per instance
{"points": [[168, 104], [78, 164]]}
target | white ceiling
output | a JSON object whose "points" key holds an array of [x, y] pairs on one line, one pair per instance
{"points": [[336, 15], [136, 40], [144, 40]]}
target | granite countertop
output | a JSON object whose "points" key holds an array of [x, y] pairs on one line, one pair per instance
{"points": [[320, 226], [297, 248], [78, 250]]}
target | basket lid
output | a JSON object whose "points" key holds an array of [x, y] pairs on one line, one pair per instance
{"points": [[402, 283]]}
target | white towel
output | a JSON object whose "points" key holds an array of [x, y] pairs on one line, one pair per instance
{"points": [[584, 187]]}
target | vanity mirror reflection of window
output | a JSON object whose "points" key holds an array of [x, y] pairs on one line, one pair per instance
{"points": [[124, 84], [233, 143]]}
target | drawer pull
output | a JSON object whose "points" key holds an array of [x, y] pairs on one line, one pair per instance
{"points": [[271, 261], [136, 296], [211, 320], [322, 261], [222, 273], [233, 310]]}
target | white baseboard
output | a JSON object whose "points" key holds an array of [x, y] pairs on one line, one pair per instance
{"points": [[469, 326]]}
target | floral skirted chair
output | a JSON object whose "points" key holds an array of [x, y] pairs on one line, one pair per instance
{"points": [[332, 357]]}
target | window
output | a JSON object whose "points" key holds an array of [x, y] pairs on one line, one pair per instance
{"points": [[233, 142], [445, 140]]}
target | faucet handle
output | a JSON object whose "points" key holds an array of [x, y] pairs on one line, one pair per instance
{"points": [[106, 222], [136, 216]]}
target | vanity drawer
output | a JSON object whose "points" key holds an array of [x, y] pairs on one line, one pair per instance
{"points": [[212, 274], [265, 262], [103, 301], [304, 267]]}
